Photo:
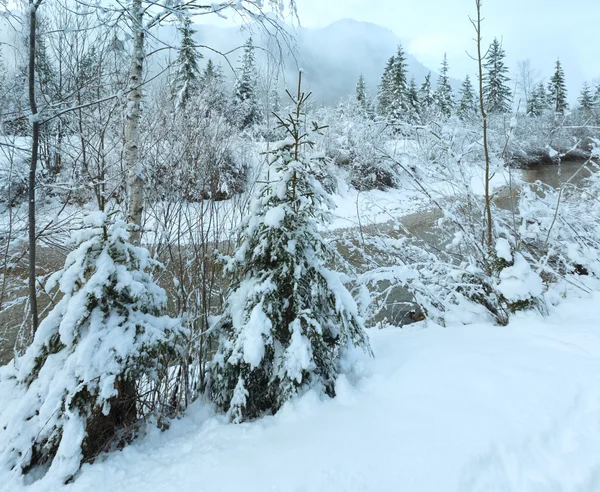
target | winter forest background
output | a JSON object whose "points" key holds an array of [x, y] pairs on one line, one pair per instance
{"points": [[231, 219]]}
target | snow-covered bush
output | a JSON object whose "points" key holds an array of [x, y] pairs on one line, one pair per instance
{"points": [[448, 280], [548, 137], [465, 267], [76, 391], [561, 227], [288, 318], [194, 150], [353, 142]]}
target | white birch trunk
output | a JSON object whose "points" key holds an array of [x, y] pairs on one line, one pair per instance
{"points": [[134, 98]]}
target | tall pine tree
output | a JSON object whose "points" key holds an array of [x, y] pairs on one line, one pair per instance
{"points": [[399, 106], [187, 75], [538, 102], [288, 319], [212, 82], [361, 94], [557, 90], [497, 94], [443, 95], [597, 97], [586, 99], [414, 105], [384, 95], [427, 99], [246, 88], [467, 106]]}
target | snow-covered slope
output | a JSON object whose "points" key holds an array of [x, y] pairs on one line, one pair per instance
{"points": [[478, 408]]}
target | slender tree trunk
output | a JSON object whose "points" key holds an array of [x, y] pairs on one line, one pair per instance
{"points": [[488, 201], [134, 98], [35, 140]]}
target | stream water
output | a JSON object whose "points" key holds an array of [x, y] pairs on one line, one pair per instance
{"points": [[399, 304], [400, 307]]}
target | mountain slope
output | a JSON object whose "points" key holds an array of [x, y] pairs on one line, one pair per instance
{"points": [[332, 57], [335, 56]]}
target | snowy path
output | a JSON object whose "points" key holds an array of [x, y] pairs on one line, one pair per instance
{"points": [[476, 408]]}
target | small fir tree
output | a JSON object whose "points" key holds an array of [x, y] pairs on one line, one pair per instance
{"points": [[274, 98], [212, 82], [399, 106], [586, 99], [557, 90], [246, 88], [444, 96], [384, 95], [76, 389], [361, 93], [414, 105], [467, 106], [288, 319], [497, 94], [187, 76], [363, 101], [597, 97], [427, 99], [538, 102]]}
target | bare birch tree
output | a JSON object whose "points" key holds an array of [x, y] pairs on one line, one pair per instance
{"points": [[144, 15], [35, 139]]}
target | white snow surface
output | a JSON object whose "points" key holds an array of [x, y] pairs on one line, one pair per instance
{"points": [[464, 408]]}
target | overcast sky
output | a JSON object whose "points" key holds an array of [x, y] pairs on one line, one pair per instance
{"points": [[541, 30]]}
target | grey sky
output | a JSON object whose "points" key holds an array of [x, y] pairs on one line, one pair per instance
{"points": [[541, 30]]}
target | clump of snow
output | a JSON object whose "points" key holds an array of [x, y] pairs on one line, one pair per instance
{"points": [[274, 217], [257, 327], [503, 249], [519, 282]]}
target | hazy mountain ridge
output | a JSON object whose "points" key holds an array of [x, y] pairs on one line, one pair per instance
{"points": [[332, 57]]}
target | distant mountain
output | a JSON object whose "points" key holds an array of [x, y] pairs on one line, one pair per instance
{"points": [[332, 57], [335, 56]]}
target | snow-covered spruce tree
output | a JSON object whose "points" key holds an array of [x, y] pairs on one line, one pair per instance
{"points": [[212, 82], [361, 94], [398, 106], [187, 75], [76, 391], [586, 99], [497, 94], [246, 86], [384, 95], [443, 95], [467, 106], [538, 103], [557, 90], [288, 319], [413, 115], [427, 99]]}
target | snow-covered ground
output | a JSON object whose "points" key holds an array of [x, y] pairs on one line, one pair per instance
{"points": [[470, 408]]}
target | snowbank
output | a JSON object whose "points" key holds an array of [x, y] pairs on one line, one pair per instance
{"points": [[475, 408]]}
